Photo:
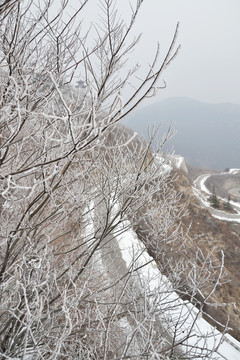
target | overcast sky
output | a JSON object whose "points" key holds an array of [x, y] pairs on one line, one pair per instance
{"points": [[208, 65]]}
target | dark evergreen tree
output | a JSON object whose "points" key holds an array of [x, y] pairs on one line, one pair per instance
{"points": [[214, 200]]}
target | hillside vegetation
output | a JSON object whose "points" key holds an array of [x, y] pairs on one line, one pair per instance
{"points": [[213, 235], [72, 181]]}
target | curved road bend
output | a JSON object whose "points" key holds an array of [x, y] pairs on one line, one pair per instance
{"points": [[199, 184]]}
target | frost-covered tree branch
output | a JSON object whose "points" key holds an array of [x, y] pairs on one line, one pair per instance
{"points": [[72, 181]]}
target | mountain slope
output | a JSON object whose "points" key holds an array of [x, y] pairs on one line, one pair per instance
{"points": [[208, 135], [210, 233]]}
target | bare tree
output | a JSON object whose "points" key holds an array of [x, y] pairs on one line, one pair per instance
{"points": [[6, 4], [72, 181]]}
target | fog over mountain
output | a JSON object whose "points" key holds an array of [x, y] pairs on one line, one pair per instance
{"points": [[208, 135]]}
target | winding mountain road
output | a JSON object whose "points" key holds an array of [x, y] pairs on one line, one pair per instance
{"points": [[202, 192]]}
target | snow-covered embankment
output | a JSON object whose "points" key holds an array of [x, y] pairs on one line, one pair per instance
{"points": [[197, 337]]}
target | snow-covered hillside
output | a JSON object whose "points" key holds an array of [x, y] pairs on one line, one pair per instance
{"points": [[203, 193], [203, 336]]}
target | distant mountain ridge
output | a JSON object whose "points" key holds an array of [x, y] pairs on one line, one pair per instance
{"points": [[208, 135]]}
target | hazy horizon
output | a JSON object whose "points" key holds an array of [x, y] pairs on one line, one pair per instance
{"points": [[207, 135], [207, 66], [157, 99]]}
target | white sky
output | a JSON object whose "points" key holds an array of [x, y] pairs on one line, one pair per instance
{"points": [[208, 65]]}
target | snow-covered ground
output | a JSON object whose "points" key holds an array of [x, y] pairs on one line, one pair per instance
{"points": [[197, 337], [178, 162], [200, 183], [203, 335], [201, 191], [233, 171]]}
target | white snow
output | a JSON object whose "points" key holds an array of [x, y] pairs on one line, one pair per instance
{"points": [[219, 217], [203, 335], [202, 183], [236, 205], [165, 166], [234, 171], [178, 161], [228, 351], [200, 190], [232, 341]]}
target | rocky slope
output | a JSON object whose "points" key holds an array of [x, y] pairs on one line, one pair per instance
{"points": [[210, 233], [207, 233]]}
